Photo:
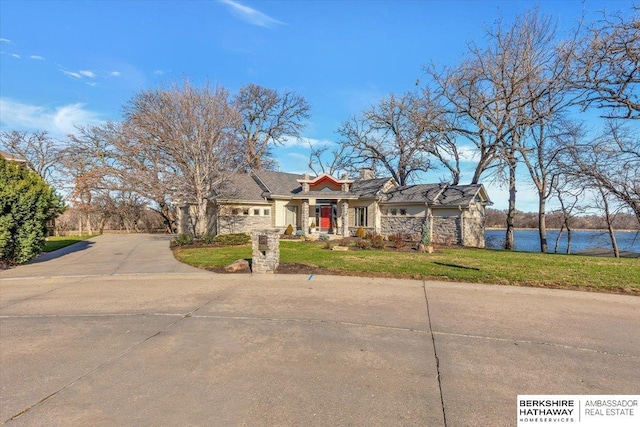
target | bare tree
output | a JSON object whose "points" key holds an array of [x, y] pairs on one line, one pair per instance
{"points": [[322, 161], [83, 163], [41, 152], [467, 101], [493, 91], [611, 162], [141, 169], [268, 119], [569, 196], [607, 67], [609, 216], [394, 137], [540, 160], [192, 133]]}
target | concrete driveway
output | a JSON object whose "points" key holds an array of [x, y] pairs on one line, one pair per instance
{"points": [[116, 332]]}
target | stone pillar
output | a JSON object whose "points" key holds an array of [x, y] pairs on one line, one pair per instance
{"points": [[266, 250], [183, 220], [305, 216], [345, 218]]}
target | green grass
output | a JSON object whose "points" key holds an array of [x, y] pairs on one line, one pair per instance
{"points": [[58, 242], [460, 265]]}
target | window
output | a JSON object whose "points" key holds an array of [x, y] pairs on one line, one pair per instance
{"points": [[256, 212], [267, 212], [394, 211], [403, 211], [361, 217], [245, 211], [235, 211]]}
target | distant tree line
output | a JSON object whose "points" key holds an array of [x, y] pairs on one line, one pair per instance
{"points": [[511, 104], [496, 218]]}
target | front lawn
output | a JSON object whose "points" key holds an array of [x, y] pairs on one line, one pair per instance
{"points": [[460, 265], [58, 242]]}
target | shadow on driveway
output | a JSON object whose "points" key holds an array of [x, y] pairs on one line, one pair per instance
{"points": [[75, 247]]}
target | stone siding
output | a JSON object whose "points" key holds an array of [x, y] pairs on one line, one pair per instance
{"points": [[473, 224], [408, 225], [305, 216], [446, 230], [228, 224], [265, 260], [353, 230]]}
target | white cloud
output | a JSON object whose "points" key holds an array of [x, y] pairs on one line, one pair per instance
{"points": [[250, 15], [15, 55], [37, 57], [290, 141], [115, 74], [79, 74], [7, 41], [58, 121], [92, 84], [72, 74], [158, 72]]}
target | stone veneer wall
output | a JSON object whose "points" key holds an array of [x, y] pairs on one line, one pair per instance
{"points": [[473, 224], [266, 261], [228, 224], [446, 230], [410, 225], [344, 211], [351, 231]]}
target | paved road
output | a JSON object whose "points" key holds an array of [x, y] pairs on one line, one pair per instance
{"points": [[118, 333]]}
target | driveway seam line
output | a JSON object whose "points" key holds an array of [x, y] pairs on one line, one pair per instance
{"points": [[207, 316], [435, 354], [291, 319]]}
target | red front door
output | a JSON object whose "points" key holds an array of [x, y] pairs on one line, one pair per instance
{"points": [[325, 217]]}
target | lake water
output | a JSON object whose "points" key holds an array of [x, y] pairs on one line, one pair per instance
{"points": [[529, 241]]}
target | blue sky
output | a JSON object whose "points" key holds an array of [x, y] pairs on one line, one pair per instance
{"points": [[68, 63]]}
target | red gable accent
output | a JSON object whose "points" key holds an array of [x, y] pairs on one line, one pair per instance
{"points": [[323, 178]]}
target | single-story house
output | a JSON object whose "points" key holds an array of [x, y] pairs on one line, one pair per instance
{"points": [[325, 204]]}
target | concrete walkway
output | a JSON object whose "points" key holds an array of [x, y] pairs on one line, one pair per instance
{"points": [[119, 333]]}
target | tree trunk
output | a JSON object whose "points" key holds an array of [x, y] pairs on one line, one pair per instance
{"points": [[89, 229], [558, 238], [165, 212], [542, 223], [511, 214], [614, 242], [201, 220], [612, 234]]}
